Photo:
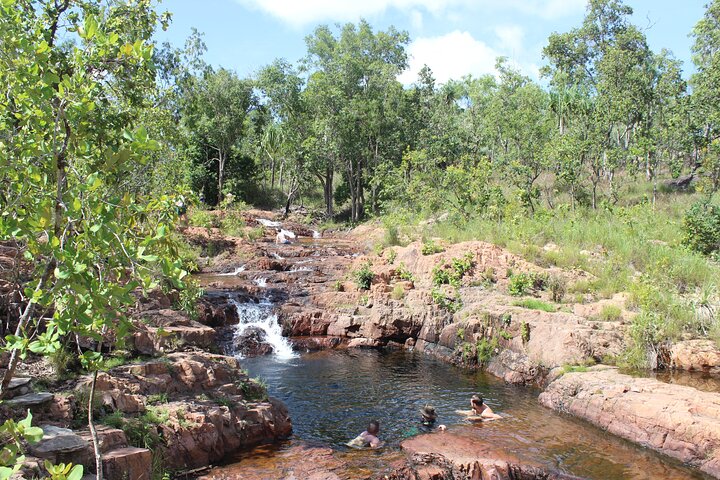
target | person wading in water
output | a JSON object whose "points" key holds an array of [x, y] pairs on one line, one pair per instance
{"points": [[368, 438], [479, 411]]}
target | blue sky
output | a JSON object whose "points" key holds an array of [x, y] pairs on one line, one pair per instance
{"points": [[454, 37]]}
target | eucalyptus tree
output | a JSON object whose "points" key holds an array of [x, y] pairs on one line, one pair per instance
{"points": [[357, 70], [706, 90]]}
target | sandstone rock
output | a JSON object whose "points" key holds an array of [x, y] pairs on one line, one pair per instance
{"points": [[515, 368], [128, 463], [311, 344], [678, 421], [18, 386], [696, 355], [451, 456], [363, 343], [252, 343]]}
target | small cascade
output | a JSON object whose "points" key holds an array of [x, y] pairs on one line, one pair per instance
{"points": [[237, 271], [259, 317], [300, 269], [317, 234], [260, 282], [276, 256], [268, 223]]}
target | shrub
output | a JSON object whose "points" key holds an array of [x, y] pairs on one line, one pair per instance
{"points": [[188, 298], [392, 255], [430, 248], [398, 292], [452, 274], [201, 218], [233, 224], [486, 349], [535, 304], [364, 276], [610, 313], [525, 332], [701, 228], [519, 284], [403, 273], [558, 288], [452, 305], [392, 236]]}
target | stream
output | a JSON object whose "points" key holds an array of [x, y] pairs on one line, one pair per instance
{"points": [[331, 395]]}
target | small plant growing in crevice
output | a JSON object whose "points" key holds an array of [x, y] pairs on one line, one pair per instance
{"points": [[403, 273], [392, 255], [364, 276], [398, 292], [525, 332], [452, 305], [519, 284], [338, 286], [486, 350], [610, 313], [558, 288], [453, 273]]}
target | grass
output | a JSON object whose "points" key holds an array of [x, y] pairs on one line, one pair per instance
{"points": [[610, 313], [535, 304]]}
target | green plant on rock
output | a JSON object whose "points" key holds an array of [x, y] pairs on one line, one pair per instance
{"points": [[392, 255], [14, 434], [430, 248], [63, 471], [451, 304], [398, 292], [403, 273], [453, 273], [364, 276], [535, 304], [701, 228], [519, 284], [610, 313], [558, 287], [233, 223], [486, 350], [525, 332]]}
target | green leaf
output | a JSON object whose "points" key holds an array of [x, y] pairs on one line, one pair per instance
{"points": [[76, 473]]}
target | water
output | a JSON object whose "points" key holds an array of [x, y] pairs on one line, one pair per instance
{"points": [[261, 316], [260, 282], [331, 395], [237, 271]]}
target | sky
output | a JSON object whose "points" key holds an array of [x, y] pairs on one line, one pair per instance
{"points": [[453, 37]]}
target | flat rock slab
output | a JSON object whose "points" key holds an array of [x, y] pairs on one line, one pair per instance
{"points": [[676, 420], [17, 382], [128, 463], [57, 441], [31, 399]]}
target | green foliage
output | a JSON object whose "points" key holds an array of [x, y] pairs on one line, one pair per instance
{"points": [[403, 273], [157, 398], [558, 287], [610, 313], [14, 435], [202, 218], [519, 284], [430, 248], [451, 304], [535, 304], [391, 256], [364, 276], [63, 471], [398, 292], [188, 298], [233, 223], [452, 273], [701, 227], [338, 286], [486, 350], [525, 332]]}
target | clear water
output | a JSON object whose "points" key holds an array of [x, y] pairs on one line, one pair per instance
{"points": [[331, 395]]}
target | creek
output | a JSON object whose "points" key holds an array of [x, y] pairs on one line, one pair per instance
{"points": [[331, 395]]}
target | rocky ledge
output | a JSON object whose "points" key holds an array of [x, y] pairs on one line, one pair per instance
{"points": [[679, 421], [450, 456]]}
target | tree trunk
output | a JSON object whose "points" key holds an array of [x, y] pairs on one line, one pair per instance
{"points": [[328, 191], [221, 173], [93, 431]]}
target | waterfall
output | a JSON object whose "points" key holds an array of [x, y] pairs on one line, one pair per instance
{"points": [[260, 282], [260, 316], [237, 271]]}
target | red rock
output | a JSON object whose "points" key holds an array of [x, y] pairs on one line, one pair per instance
{"points": [[128, 463], [695, 355]]}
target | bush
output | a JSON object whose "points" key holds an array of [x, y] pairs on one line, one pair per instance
{"points": [[558, 288], [430, 248], [452, 305], [364, 276], [201, 218], [403, 273], [452, 274], [233, 224], [398, 292], [520, 284], [392, 255], [701, 228]]}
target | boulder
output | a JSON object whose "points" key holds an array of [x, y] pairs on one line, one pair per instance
{"points": [[252, 343], [678, 421], [30, 400], [57, 443], [696, 355], [128, 463]]}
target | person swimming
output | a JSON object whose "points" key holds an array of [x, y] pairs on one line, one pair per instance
{"points": [[479, 410], [429, 416], [368, 438]]}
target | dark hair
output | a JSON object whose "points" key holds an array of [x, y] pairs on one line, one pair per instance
{"points": [[477, 399], [373, 425]]}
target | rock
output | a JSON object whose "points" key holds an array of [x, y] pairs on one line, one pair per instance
{"points": [[696, 355], [57, 443], [30, 400], [678, 421], [363, 343], [18, 386], [128, 463], [251, 343], [311, 344], [453, 456], [515, 368]]}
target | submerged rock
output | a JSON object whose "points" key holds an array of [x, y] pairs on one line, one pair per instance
{"points": [[678, 421], [252, 343], [696, 355]]}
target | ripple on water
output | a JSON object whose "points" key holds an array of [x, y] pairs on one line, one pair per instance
{"points": [[331, 395]]}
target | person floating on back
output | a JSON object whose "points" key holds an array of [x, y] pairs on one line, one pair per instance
{"points": [[368, 438], [479, 410], [429, 416]]}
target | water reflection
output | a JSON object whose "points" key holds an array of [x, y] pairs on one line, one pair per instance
{"points": [[332, 395]]}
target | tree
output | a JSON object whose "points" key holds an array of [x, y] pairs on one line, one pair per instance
{"points": [[69, 135], [215, 110]]}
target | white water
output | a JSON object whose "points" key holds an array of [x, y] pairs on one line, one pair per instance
{"points": [[275, 255], [300, 269], [260, 282], [317, 234], [237, 271], [287, 233], [260, 315], [268, 223]]}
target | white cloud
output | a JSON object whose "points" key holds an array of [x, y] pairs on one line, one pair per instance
{"points": [[301, 12], [449, 56], [511, 38], [416, 19]]}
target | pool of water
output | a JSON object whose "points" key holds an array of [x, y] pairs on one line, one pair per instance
{"points": [[332, 395]]}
